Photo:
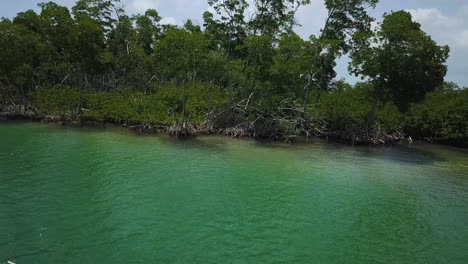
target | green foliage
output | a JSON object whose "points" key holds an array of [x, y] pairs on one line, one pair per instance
{"points": [[181, 54], [103, 106], [101, 11], [272, 17], [19, 56], [148, 29], [261, 54], [164, 105], [348, 21], [390, 118], [406, 64], [442, 114], [291, 62], [345, 110], [349, 109], [229, 31], [201, 99], [57, 100], [246, 62]]}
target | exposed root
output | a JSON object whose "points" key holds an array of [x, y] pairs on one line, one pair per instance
{"points": [[287, 124], [143, 128], [20, 112], [189, 131]]}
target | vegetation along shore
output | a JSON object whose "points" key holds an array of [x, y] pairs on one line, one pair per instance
{"points": [[237, 74]]}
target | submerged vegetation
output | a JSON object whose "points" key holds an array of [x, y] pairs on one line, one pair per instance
{"points": [[239, 75]]}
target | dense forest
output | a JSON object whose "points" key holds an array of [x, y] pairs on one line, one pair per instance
{"points": [[243, 73]]}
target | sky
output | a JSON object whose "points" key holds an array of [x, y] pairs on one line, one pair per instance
{"points": [[445, 20]]}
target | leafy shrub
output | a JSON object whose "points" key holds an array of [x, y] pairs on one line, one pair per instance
{"points": [[442, 114], [345, 110], [57, 100], [390, 118]]}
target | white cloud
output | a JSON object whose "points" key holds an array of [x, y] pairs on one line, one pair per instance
{"points": [[434, 18], [170, 21], [462, 39], [443, 28], [174, 12], [140, 6], [311, 18], [463, 12]]}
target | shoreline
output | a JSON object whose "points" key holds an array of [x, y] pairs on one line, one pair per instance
{"points": [[195, 131]]}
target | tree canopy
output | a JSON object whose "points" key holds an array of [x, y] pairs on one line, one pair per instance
{"points": [[245, 67], [404, 60]]}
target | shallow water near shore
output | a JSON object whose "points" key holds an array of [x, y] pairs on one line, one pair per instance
{"points": [[72, 195]]}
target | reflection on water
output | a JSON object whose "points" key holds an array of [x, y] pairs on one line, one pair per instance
{"points": [[103, 196]]}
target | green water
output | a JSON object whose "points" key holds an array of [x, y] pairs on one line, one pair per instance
{"points": [[105, 196]]}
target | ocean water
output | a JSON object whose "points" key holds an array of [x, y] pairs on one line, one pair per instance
{"points": [[106, 196]]}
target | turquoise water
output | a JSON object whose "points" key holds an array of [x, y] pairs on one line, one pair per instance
{"points": [[106, 196]]}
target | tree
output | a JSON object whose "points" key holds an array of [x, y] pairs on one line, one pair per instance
{"points": [[450, 86], [123, 44], [227, 32], [180, 55], [273, 17], [258, 65], [91, 49], [20, 59], [294, 57], [230, 28], [347, 24], [148, 29], [346, 28], [403, 61], [58, 33], [136, 69], [101, 11], [29, 19], [190, 27]]}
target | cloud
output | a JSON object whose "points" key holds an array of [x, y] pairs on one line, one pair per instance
{"points": [[170, 20], [140, 6], [462, 39], [434, 18], [174, 12], [443, 28], [311, 18]]}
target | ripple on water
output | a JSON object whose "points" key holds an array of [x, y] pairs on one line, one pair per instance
{"points": [[74, 196]]}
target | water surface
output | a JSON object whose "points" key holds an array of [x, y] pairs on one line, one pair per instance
{"points": [[104, 196]]}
